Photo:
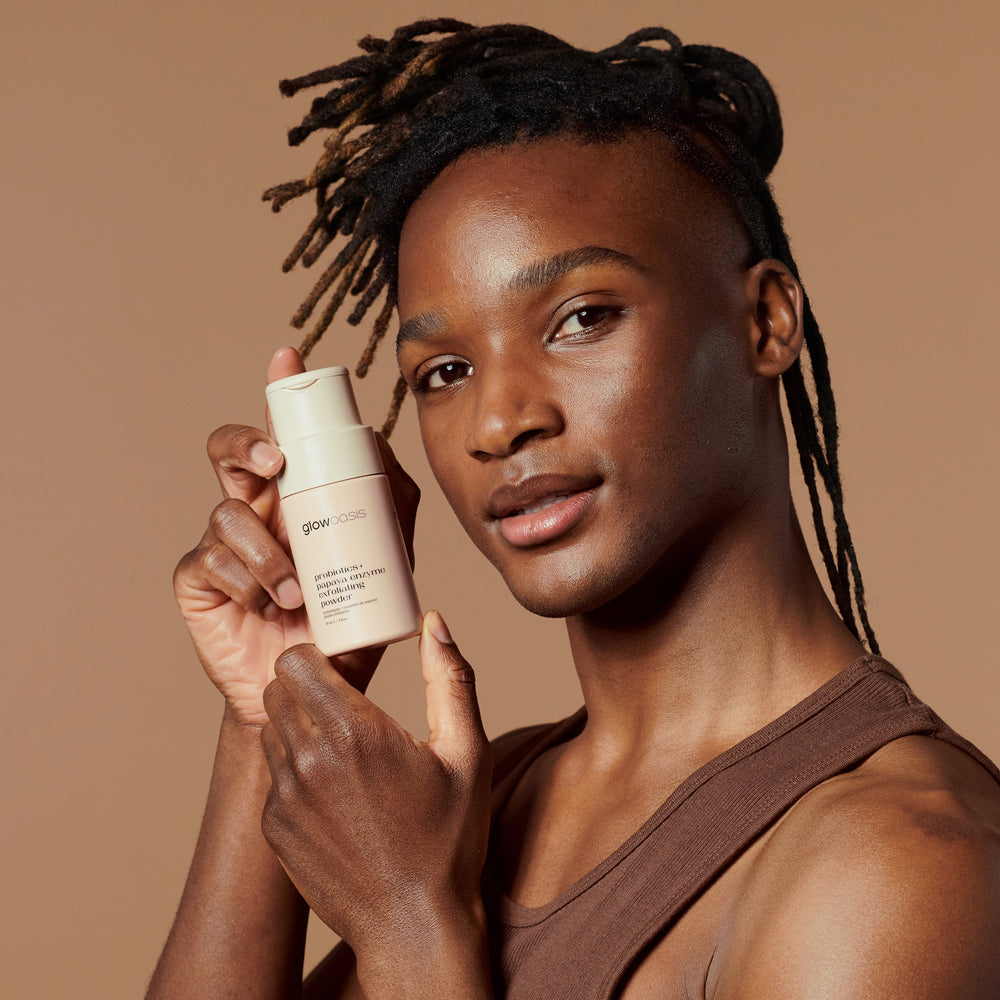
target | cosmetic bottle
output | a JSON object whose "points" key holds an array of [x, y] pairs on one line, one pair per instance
{"points": [[342, 527]]}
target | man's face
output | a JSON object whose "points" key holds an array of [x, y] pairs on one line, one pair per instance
{"points": [[575, 329]]}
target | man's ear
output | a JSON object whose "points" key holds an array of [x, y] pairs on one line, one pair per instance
{"points": [[775, 298]]}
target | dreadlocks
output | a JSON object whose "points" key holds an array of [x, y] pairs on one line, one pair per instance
{"points": [[411, 104]]}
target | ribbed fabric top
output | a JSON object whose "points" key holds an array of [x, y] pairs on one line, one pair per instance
{"points": [[583, 944]]}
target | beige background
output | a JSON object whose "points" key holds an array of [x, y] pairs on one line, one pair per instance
{"points": [[142, 296]]}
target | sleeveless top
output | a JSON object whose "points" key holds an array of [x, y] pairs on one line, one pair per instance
{"points": [[585, 943]]}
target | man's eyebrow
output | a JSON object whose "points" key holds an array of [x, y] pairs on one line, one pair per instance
{"points": [[532, 277], [420, 327], [540, 273]]}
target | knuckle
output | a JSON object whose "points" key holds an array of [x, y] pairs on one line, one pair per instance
{"points": [[462, 673], [215, 559], [235, 522], [242, 438], [268, 559], [224, 570], [295, 662], [227, 516], [457, 667], [184, 565], [304, 765], [348, 738], [220, 440], [272, 821]]}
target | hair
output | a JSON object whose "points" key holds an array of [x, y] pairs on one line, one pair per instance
{"points": [[411, 104]]}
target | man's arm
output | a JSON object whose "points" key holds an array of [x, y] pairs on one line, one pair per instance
{"points": [[884, 886], [240, 927]]}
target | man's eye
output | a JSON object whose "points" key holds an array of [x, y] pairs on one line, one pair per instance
{"points": [[584, 319], [443, 375]]}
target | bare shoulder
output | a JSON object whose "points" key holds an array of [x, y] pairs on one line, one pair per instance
{"points": [[880, 883]]}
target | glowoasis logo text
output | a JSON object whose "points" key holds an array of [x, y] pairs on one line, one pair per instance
{"points": [[325, 522]]}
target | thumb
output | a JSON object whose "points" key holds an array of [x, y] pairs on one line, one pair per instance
{"points": [[284, 362], [456, 728]]}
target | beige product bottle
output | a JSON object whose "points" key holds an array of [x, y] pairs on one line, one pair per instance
{"points": [[342, 527]]}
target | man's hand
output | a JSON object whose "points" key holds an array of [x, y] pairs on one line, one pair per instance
{"points": [[237, 588], [384, 835]]}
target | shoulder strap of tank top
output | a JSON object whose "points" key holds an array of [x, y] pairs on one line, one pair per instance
{"points": [[597, 931]]}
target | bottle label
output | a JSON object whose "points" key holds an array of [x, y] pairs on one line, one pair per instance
{"points": [[352, 564]]}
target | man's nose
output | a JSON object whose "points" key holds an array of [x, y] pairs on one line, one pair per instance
{"points": [[512, 407]]}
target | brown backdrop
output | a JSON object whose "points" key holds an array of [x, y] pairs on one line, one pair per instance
{"points": [[142, 297]]}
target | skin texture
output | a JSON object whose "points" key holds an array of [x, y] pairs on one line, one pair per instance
{"points": [[580, 323]]}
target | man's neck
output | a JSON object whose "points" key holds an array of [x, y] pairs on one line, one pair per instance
{"points": [[716, 652]]}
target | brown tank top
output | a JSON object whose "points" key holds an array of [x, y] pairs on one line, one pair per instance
{"points": [[585, 943]]}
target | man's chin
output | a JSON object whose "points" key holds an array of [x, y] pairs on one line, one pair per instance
{"points": [[562, 601]]}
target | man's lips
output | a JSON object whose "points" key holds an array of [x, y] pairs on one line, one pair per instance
{"points": [[542, 508], [534, 490]]}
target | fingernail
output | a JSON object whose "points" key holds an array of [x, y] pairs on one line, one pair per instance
{"points": [[289, 594], [439, 629], [264, 455]]}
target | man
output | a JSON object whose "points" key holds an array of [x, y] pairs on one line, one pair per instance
{"points": [[597, 305]]}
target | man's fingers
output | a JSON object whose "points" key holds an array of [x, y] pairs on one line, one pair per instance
{"points": [[321, 692], [244, 459], [237, 525], [213, 569], [456, 728], [289, 723], [284, 362]]}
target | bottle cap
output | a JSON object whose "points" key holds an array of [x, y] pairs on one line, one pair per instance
{"points": [[319, 430]]}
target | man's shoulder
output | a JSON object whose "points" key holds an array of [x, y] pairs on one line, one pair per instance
{"points": [[916, 790], [885, 875]]}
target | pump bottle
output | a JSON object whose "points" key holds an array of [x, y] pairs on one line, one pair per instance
{"points": [[342, 527]]}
